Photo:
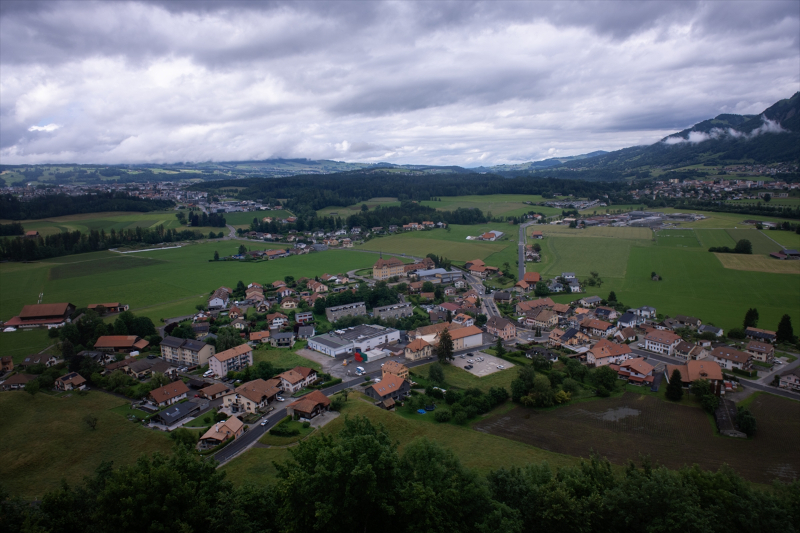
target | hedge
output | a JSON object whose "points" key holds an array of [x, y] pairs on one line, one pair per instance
{"points": [[327, 384]]}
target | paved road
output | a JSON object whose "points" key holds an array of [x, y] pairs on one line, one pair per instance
{"points": [[521, 246]]}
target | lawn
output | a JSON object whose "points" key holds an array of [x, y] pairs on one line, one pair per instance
{"points": [[478, 450], [21, 343], [284, 357], [761, 243], [46, 440], [714, 238], [626, 427], [678, 238], [274, 440], [789, 239]]}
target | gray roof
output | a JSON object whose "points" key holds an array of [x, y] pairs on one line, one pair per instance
{"points": [[175, 413], [305, 331], [172, 342], [400, 305], [592, 299], [571, 332], [346, 306], [627, 317], [195, 346], [287, 335]]}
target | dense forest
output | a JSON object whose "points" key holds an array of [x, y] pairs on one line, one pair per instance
{"points": [[76, 242], [359, 480], [60, 205]]}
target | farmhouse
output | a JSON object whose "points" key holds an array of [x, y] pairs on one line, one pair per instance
{"points": [[387, 268], [251, 396], [219, 299], [532, 277], [340, 311], [187, 352], [169, 394], [37, 315], [120, 343], [220, 432], [501, 327], [761, 351], [730, 358], [309, 405], [695, 370], [606, 352], [661, 341], [418, 349], [234, 359]]}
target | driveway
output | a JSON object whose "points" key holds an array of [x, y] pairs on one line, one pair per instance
{"points": [[481, 368]]}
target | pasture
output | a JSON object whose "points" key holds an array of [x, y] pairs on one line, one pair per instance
{"points": [[558, 230], [243, 219], [789, 239], [107, 221], [354, 209], [46, 440], [623, 428], [470, 446], [678, 238], [497, 204], [714, 238], [758, 263], [761, 243], [582, 255]]}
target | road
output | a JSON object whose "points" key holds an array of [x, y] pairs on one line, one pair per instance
{"points": [[521, 251]]}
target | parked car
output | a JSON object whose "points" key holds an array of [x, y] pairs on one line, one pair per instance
{"points": [[470, 361], [279, 398], [468, 367], [264, 422], [501, 367]]}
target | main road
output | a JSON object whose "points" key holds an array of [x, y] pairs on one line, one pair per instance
{"points": [[521, 251]]}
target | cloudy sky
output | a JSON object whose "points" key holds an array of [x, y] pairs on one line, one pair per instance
{"points": [[406, 82]]}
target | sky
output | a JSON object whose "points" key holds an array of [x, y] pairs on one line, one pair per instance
{"points": [[440, 83]]}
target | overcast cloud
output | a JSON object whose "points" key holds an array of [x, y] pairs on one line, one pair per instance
{"points": [[405, 82]]}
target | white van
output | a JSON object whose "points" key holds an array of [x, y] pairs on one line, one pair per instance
{"points": [[360, 370], [208, 373]]}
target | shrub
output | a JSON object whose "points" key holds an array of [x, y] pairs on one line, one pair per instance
{"points": [[571, 386], [460, 418], [471, 411], [283, 430], [306, 425], [603, 392], [442, 415], [337, 403]]}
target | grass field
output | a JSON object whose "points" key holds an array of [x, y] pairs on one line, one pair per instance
{"points": [[284, 357], [582, 255], [761, 243], [679, 238], [673, 435], [642, 234], [477, 450], [345, 212], [21, 343], [496, 204], [789, 239], [714, 238], [106, 220], [243, 219], [45, 439], [758, 263]]}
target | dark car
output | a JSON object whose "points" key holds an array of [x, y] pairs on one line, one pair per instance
{"points": [[468, 367]]}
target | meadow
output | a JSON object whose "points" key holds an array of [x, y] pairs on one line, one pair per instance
{"points": [[761, 243], [679, 238], [45, 439], [559, 230], [758, 263], [354, 209], [107, 221], [714, 238], [505, 205], [243, 219]]}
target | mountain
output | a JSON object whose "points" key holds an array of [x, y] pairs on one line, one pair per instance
{"points": [[772, 136], [535, 165]]}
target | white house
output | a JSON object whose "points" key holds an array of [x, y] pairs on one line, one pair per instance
{"points": [[661, 341]]}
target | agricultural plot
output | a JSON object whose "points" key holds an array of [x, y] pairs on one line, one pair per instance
{"points": [[678, 238], [107, 221], [46, 440], [582, 255], [496, 204], [761, 243], [354, 209], [624, 428], [714, 238], [643, 234], [758, 263], [243, 219]]}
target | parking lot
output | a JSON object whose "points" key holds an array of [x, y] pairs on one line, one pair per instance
{"points": [[487, 366]]}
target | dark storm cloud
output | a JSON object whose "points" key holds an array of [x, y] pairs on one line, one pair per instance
{"points": [[437, 82]]}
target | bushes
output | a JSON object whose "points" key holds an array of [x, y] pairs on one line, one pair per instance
{"points": [[746, 421], [442, 415], [283, 430]]}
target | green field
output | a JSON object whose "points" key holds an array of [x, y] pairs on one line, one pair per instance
{"points": [[469, 445], [105, 221], [243, 219], [789, 239], [21, 343], [284, 357], [714, 238], [761, 243], [559, 230], [354, 209], [679, 238], [497, 204], [716, 220], [582, 255], [45, 439]]}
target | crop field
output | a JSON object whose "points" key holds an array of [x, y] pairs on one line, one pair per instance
{"points": [[470, 446], [643, 234], [758, 263], [789, 239], [582, 255], [761, 243], [496, 204], [46, 440], [354, 209], [714, 238], [626, 427], [678, 238]]}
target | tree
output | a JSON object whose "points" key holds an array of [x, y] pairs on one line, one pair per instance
{"points": [[345, 393], [605, 377], [675, 387], [767, 197], [499, 348], [227, 338], [364, 208], [743, 246], [216, 255], [436, 373], [444, 350], [751, 318], [428, 287], [67, 350], [158, 380], [32, 387], [182, 437], [746, 421], [612, 297], [91, 421], [785, 331], [242, 249], [541, 289]]}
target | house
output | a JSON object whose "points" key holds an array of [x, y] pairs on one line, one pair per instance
{"points": [[568, 276], [760, 334], [306, 332], [289, 303], [140, 368], [523, 286], [687, 350], [169, 394], [277, 320], [72, 381], [212, 392], [38, 359], [605, 352], [555, 286], [354, 309], [201, 329], [220, 432], [636, 371], [449, 291], [730, 358], [113, 307], [537, 235], [590, 301], [502, 297], [710, 329], [282, 340], [625, 334], [688, 321], [661, 341], [234, 313], [233, 359], [387, 268], [541, 318], [390, 386], [120, 343], [304, 317], [418, 349], [696, 370], [284, 292], [790, 379], [40, 315], [598, 328], [259, 337], [629, 320], [296, 379], [397, 369], [6, 364], [533, 304], [240, 324], [173, 414], [464, 338], [309, 405], [449, 306], [501, 327], [17, 381], [316, 286], [761, 351], [606, 313], [219, 299], [251, 396], [644, 312], [562, 309], [188, 352], [463, 320], [348, 341], [459, 284]]}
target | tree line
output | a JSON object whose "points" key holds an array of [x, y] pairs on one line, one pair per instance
{"points": [[57, 205], [359, 480]]}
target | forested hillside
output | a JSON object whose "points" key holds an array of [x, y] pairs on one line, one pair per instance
{"points": [[60, 205]]}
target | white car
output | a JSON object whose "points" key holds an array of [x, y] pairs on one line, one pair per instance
{"points": [[470, 361], [500, 367], [9, 330], [264, 422], [280, 399]]}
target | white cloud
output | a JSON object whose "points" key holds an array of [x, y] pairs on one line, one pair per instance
{"points": [[48, 127]]}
